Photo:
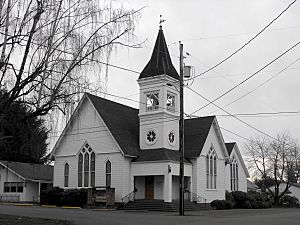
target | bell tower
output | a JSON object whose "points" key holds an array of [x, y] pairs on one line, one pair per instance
{"points": [[159, 100]]}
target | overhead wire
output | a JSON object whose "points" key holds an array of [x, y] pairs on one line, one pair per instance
{"points": [[242, 121], [244, 45], [248, 78], [266, 81]]}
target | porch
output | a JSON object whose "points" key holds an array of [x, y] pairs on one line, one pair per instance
{"points": [[160, 187]]}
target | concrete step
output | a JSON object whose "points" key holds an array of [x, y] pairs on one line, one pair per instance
{"points": [[159, 205]]}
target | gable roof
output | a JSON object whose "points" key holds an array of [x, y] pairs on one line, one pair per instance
{"points": [[195, 133], [160, 61], [233, 145], [229, 147], [30, 171], [123, 123]]}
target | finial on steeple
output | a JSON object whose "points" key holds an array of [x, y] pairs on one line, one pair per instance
{"points": [[161, 21]]}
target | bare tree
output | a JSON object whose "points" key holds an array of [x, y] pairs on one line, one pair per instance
{"points": [[276, 159], [49, 46]]}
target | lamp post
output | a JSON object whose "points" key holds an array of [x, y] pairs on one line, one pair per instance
{"points": [[181, 135]]}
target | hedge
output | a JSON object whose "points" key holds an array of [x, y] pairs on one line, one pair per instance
{"points": [[63, 197], [242, 200]]}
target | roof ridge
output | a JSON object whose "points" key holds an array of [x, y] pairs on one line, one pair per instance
{"points": [[108, 100]]}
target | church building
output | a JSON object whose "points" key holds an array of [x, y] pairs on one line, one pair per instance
{"points": [[136, 151]]}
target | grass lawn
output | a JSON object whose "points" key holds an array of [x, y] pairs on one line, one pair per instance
{"points": [[18, 220]]}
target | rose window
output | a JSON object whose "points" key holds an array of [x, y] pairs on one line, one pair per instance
{"points": [[151, 136], [171, 137]]}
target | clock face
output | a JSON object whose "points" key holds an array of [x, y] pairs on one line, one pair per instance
{"points": [[151, 137], [171, 138]]}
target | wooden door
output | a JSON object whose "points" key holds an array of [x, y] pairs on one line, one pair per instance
{"points": [[149, 187]]}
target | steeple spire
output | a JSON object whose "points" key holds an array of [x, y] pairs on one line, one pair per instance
{"points": [[160, 61]]}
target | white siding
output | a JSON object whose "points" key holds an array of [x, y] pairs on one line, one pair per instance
{"points": [[242, 177], [30, 190], [119, 175], [140, 187], [158, 187], [86, 125], [219, 192], [295, 191]]}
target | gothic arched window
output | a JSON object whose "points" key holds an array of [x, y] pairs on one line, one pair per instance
{"points": [[234, 181], [86, 166], [211, 169], [108, 173], [66, 175]]}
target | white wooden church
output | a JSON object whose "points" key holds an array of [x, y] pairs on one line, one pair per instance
{"points": [[137, 150]]}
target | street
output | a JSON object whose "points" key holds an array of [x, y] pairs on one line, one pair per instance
{"points": [[282, 216]]}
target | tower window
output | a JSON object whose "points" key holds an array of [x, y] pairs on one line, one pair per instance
{"points": [[152, 101], [170, 102]]}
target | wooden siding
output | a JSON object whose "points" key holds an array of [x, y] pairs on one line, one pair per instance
{"points": [[200, 169]]}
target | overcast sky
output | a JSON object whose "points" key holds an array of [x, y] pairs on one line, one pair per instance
{"points": [[210, 31]]}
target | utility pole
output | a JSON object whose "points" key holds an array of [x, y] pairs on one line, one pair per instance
{"points": [[181, 135]]}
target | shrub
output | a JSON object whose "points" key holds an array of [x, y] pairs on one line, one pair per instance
{"points": [[59, 197], [228, 204], [289, 201], [240, 199], [221, 204], [228, 196], [51, 196], [250, 200], [218, 204]]}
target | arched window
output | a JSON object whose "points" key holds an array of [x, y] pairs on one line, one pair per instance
{"points": [[80, 166], [92, 169], [211, 169], [66, 175], [86, 167], [108, 173], [234, 181]]}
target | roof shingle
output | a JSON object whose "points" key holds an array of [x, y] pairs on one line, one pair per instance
{"points": [[123, 123], [30, 171], [160, 61]]}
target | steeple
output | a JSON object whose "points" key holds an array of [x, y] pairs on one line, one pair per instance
{"points": [[159, 100], [160, 62]]}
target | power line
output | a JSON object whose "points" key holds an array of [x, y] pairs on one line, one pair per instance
{"points": [[283, 113], [249, 125], [248, 78], [244, 45], [272, 77]]}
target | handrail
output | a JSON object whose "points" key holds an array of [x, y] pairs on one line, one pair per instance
{"points": [[128, 198], [196, 198]]}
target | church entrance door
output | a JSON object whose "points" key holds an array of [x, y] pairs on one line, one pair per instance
{"points": [[149, 187]]}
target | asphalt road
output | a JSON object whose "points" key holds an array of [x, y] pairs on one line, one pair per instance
{"points": [[211, 217]]}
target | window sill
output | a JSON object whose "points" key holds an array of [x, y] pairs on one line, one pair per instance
{"points": [[211, 190]]}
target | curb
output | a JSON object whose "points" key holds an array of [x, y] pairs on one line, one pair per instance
{"points": [[23, 204], [49, 206], [103, 209], [70, 207]]}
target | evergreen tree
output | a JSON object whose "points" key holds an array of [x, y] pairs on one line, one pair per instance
{"points": [[22, 138]]}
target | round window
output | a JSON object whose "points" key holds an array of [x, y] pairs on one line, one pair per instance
{"points": [[151, 137], [171, 138]]}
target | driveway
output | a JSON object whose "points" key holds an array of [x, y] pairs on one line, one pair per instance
{"points": [[211, 217]]}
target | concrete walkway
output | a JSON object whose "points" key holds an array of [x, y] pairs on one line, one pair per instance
{"points": [[211, 217]]}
